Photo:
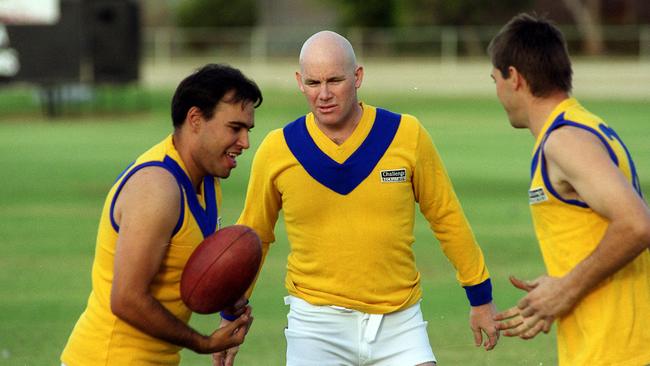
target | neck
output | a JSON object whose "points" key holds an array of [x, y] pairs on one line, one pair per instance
{"points": [[181, 144], [339, 133], [539, 109]]}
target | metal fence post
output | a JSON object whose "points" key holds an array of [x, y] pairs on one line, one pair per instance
{"points": [[162, 45], [259, 47], [644, 43], [356, 39], [449, 45]]}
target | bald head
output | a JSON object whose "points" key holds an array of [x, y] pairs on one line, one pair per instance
{"points": [[328, 47]]}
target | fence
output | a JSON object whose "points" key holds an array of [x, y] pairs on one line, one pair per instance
{"points": [[448, 44]]}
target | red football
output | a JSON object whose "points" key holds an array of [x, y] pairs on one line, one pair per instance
{"points": [[221, 269]]}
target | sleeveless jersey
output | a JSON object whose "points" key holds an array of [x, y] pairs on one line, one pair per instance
{"points": [[611, 325], [99, 337]]}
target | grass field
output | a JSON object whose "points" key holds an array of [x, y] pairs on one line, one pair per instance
{"points": [[55, 175]]}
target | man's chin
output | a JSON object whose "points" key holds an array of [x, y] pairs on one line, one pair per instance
{"points": [[222, 174], [326, 119]]}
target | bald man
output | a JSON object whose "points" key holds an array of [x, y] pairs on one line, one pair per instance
{"points": [[347, 177]]}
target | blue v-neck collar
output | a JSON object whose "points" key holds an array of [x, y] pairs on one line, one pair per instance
{"points": [[342, 178], [205, 218]]}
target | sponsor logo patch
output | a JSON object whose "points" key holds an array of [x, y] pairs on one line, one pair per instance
{"points": [[536, 195], [393, 175]]}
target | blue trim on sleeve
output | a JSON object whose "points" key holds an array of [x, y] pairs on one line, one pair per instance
{"points": [[342, 178], [535, 162], [559, 122], [611, 134], [227, 316], [128, 175], [230, 317], [479, 294], [551, 189], [124, 171]]}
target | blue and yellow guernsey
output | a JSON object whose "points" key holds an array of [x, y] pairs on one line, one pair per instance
{"points": [[611, 325], [99, 337], [349, 212]]}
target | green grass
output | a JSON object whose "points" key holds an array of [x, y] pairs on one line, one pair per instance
{"points": [[56, 173]]}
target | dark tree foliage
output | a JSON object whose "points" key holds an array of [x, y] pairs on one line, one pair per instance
{"points": [[388, 13], [367, 13], [461, 12], [216, 13]]}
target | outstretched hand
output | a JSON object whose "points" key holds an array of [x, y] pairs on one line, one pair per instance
{"points": [[548, 297]]}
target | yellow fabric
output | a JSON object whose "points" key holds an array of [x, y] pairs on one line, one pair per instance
{"points": [[610, 326], [355, 250], [99, 337]]}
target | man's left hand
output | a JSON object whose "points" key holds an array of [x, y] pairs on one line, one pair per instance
{"points": [[481, 320]]}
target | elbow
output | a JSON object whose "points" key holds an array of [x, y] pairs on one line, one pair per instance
{"points": [[121, 304], [117, 305], [640, 231], [644, 234]]}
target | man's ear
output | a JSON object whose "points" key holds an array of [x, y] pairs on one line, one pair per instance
{"points": [[193, 118], [358, 76], [516, 78], [301, 86]]}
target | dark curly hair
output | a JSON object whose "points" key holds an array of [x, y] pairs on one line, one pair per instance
{"points": [[207, 86]]}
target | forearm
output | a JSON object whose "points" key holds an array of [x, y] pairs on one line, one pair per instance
{"points": [[265, 251], [619, 246], [149, 316]]}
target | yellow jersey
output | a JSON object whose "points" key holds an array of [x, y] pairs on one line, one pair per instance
{"points": [[101, 338], [349, 212], [611, 325]]}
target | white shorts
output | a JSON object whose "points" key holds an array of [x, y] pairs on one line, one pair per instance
{"points": [[335, 336]]}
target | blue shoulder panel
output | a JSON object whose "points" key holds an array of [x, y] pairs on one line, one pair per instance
{"points": [[342, 178]]}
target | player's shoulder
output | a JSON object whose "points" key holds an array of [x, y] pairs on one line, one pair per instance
{"points": [[570, 141], [406, 119], [273, 137], [411, 120], [154, 178], [579, 114], [151, 188], [272, 143], [409, 124]]}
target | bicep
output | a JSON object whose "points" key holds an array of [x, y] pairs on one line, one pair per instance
{"points": [[148, 208], [263, 200]]}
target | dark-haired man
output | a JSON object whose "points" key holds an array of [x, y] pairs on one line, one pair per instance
{"points": [[156, 213], [590, 218]]}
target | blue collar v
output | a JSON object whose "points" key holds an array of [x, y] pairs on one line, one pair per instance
{"points": [[342, 178], [206, 219]]}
